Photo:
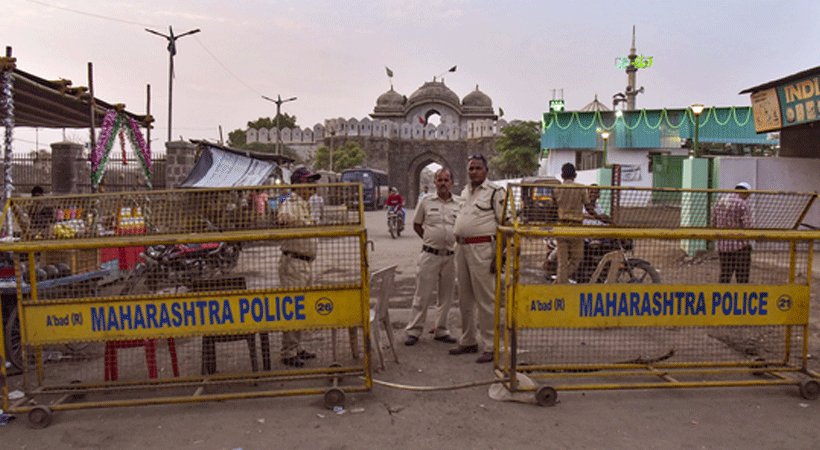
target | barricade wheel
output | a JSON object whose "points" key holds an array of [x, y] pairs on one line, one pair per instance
{"points": [[546, 396], [335, 378], [334, 397], [40, 417], [810, 389]]}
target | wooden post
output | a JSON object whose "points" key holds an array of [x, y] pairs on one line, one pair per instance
{"points": [[92, 105], [148, 112]]}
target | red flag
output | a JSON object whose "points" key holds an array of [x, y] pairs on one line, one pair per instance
{"points": [[422, 121]]}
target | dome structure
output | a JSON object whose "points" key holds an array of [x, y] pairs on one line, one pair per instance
{"points": [[477, 103], [390, 98], [434, 91], [391, 103], [594, 105], [477, 99]]}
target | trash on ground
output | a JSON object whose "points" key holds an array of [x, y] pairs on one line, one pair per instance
{"points": [[356, 410], [339, 410]]}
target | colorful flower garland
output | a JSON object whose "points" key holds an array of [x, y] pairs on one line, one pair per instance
{"points": [[113, 122]]}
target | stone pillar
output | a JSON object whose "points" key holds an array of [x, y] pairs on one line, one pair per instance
{"points": [[179, 160], [65, 174]]}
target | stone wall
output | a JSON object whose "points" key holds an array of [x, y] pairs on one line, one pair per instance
{"points": [[366, 127], [179, 159]]}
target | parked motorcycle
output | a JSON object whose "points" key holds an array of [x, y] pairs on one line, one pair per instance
{"points": [[180, 264], [395, 222], [597, 263]]}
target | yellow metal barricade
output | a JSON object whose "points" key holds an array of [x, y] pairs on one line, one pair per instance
{"points": [[639, 312], [172, 296]]}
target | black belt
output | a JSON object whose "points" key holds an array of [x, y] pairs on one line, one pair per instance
{"points": [[435, 251], [298, 256]]}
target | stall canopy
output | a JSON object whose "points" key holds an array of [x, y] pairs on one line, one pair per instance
{"points": [[220, 166], [56, 104]]}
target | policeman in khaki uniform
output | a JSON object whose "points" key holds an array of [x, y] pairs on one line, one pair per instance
{"points": [[481, 212], [297, 256], [433, 222], [571, 203]]}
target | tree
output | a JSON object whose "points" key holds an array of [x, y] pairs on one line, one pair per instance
{"points": [[517, 150], [350, 154]]}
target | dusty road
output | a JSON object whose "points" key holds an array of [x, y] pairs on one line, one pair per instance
{"points": [[770, 417]]}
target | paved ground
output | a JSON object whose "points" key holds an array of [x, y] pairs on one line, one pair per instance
{"points": [[771, 417]]}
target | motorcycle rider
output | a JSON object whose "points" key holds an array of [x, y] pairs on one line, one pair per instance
{"points": [[397, 201]]}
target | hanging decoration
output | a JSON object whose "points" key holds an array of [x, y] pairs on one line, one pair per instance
{"points": [[122, 147], [7, 65], [731, 113], [115, 122]]}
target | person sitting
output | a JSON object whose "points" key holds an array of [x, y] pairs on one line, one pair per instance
{"points": [[396, 201]]}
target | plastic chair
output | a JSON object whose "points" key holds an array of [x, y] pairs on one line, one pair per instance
{"points": [[209, 351], [111, 347], [381, 282]]}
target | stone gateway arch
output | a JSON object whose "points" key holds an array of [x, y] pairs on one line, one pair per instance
{"points": [[400, 139]]}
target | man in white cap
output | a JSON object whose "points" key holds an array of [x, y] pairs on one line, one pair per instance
{"points": [[732, 211]]}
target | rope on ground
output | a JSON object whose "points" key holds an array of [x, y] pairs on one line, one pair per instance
{"points": [[438, 388]]}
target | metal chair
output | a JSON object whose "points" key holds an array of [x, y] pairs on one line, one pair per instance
{"points": [[381, 282]]}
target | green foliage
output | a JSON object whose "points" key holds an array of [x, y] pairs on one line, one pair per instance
{"points": [[517, 150], [350, 154]]}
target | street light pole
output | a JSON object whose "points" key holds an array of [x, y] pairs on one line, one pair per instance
{"points": [[697, 109], [605, 137], [172, 50], [279, 102]]}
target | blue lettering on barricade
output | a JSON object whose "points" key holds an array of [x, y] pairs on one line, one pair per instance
{"points": [[669, 303], [191, 313]]}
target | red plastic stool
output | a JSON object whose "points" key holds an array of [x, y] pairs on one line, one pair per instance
{"points": [[111, 347]]}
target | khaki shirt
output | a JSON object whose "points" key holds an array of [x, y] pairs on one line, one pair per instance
{"points": [[481, 212], [295, 212], [438, 217], [571, 202]]}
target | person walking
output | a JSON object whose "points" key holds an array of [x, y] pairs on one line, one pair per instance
{"points": [[297, 256], [481, 212], [571, 203], [433, 222], [732, 211]]}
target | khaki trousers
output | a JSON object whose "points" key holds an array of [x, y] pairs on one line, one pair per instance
{"points": [[570, 254], [476, 291], [435, 271], [293, 273]]}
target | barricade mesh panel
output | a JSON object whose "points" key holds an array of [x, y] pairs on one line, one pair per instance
{"points": [[661, 261], [262, 277], [173, 212], [693, 319], [657, 345], [536, 205]]}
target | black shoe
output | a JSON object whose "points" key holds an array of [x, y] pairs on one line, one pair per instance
{"points": [[447, 339], [462, 349], [293, 361], [304, 354], [411, 340], [485, 358]]}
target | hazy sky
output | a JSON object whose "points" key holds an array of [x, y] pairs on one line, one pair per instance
{"points": [[332, 54]]}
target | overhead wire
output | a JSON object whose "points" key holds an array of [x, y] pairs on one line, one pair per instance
{"points": [[84, 13]]}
